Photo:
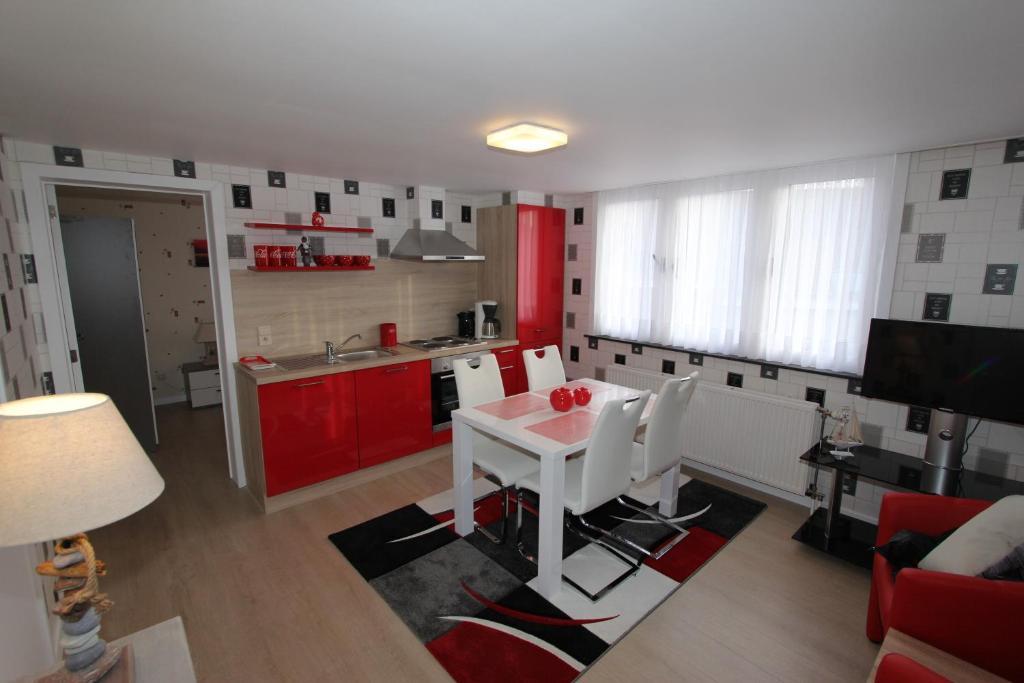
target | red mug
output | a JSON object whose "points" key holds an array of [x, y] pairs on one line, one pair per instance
{"points": [[288, 256], [261, 255], [360, 260], [561, 399], [274, 256], [343, 260], [388, 334]]}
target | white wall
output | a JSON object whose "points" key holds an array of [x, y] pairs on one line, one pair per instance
{"points": [[984, 228], [26, 646]]}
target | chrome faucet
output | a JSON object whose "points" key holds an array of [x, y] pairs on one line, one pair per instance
{"points": [[333, 348]]}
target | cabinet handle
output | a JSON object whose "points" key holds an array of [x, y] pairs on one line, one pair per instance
{"points": [[448, 376], [539, 329], [507, 367], [403, 368], [504, 351], [307, 384]]}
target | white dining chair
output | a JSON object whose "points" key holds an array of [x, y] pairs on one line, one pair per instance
{"points": [[543, 368], [662, 449], [600, 476], [501, 463]]}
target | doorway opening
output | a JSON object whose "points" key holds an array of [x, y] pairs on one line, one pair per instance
{"points": [[136, 285]]}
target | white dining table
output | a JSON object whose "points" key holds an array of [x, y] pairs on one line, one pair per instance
{"points": [[529, 422]]}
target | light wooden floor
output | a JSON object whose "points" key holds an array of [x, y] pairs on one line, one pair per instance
{"points": [[270, 599]]}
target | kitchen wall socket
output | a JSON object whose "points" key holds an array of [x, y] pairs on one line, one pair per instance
{"points": [[263, 333]]}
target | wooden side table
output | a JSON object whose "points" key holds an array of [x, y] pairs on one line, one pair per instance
{"points": [[161, 654]]}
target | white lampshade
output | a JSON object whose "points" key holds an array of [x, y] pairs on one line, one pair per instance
{"points": [[205, 332], [68, 463]]}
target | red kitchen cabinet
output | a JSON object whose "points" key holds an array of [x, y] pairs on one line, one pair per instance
{"points": [[393, 411], [540, 269], [308, 428], [510, 363]]}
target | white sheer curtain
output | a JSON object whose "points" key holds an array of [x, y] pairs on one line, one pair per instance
{"points": [[780, 265]]}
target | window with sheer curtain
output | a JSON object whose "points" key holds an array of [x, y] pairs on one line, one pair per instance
{"points": [[782, 266]]}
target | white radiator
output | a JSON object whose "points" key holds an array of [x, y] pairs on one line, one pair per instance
{"points": [[746, 433]]}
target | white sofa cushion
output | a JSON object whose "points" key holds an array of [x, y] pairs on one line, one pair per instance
{"points": [[984, 540]]}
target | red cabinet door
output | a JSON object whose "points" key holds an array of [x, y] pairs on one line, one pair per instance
{"points": [[393, 411], [539, 271], [509, 362], [309, 431]]}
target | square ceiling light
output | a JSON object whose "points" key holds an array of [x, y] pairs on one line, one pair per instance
{"points": [[527, 138]]}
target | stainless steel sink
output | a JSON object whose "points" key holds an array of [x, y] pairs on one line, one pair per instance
{"points": [[320, 359]]}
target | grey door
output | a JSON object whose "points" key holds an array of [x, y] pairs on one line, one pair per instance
{"points": [[106, 301]]}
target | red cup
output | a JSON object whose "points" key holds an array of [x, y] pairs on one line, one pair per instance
{"points": [[260, 251], [360, 260], [274, 256], [582, 395], [288, 256], [343, 260], [324, 260], [388, 334], [561, 399]]}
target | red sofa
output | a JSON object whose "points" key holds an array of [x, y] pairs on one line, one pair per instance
{"points": [[978, 620]]}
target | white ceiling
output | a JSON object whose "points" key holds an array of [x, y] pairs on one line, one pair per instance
{"points": [[403, 91]]}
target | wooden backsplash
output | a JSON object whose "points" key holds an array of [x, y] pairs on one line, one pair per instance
{"points": [[304, 309]]}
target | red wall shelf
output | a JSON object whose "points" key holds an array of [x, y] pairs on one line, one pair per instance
{"points": [[301, 269], [310, 228]]}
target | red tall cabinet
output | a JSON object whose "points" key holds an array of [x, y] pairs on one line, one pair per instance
{"points": [[524, 271]]}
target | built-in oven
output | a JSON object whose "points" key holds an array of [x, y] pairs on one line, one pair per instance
{"points": [[444, 398]]}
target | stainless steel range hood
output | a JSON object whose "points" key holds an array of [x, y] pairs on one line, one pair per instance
{"points": [[418, 244]]}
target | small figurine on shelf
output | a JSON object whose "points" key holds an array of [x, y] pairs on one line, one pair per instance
{"points": [[318, 220], [306, 253]]}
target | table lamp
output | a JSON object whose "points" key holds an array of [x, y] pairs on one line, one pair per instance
{"points": [[68, 464], [206, 334]]}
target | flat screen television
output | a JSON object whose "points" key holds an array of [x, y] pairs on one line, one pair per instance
{"points": [[967, 369]]}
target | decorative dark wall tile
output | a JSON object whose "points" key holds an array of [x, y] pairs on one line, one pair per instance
{"points": [[955, 184], [241, 196], [322, 201], [276, 179], [387, 207], [7, 313], [48, 386], [734, 379], [1014, 151], [316, 245], [28, 269], [436, 209], [7, 272], [1000, 278], [571, 252], [636, 349], [853, 386], [930, 248], [506, 198], [293, 217], [67, 156], [620, 359], [570, 320], [815, 395], [918, 419], [592, 342], [577, 286], [236, 246], [577, 216], [351, 187], [410, 193], [549, 200], [466, 213], [849, 484], [936, 306], [574, 354], [184, 168], [696, 359], [24, 307], [769, 371], [668, 366], [364, 222], [383, 247]]}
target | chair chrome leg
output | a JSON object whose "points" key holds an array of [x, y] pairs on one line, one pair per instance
{"points": [[612, 535], [664, 521], [484, 531], [520, 546]]}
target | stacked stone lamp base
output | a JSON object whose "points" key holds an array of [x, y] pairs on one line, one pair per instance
{"points": [[87, 657]]}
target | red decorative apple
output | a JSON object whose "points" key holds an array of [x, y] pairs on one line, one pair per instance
{"points": [[582, 395], [561, 399], [318, 220]]}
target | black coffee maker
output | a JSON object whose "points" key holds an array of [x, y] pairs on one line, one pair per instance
{"points": [[467, 324]]}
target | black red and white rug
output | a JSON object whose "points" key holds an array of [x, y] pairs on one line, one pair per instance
{"points": [[472, 603]]}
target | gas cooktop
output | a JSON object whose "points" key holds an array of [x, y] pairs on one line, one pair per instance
{"points": [[435, 343]]}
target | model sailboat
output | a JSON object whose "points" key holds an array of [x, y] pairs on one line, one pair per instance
{"points": [[846, 433]]}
